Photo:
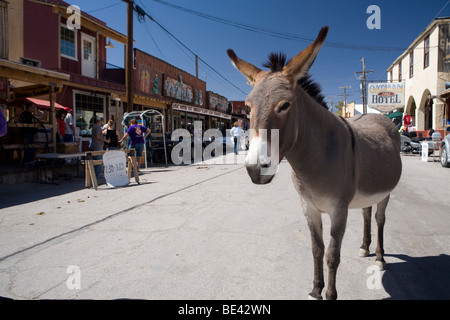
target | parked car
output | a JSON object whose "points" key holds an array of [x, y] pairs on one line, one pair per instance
{"points": [[445, 151]]}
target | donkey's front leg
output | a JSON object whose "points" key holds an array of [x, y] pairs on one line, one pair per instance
{"points": [[314, 219], [338, 222]]}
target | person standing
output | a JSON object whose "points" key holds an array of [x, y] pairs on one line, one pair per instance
{"points": [[97, 143], [70, 126], [61, 125], [236, 132], [137, 134], [112, 134]]}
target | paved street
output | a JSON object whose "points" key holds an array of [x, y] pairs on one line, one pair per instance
{"points": [[206, 232]]}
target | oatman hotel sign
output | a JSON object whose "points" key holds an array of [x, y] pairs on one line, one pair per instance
{"points": [[386, 97]]}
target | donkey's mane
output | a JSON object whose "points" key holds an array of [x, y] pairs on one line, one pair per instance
{"points": [[276, 63]]}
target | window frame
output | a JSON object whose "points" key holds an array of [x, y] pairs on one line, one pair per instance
{"points": [[411, 64], [88, 94], [426, 52], [75, 58]]}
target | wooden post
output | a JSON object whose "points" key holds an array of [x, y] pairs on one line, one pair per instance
{"points": [[87, 175], [53, 116], [134, 164], [130, 71], [91, 178]]}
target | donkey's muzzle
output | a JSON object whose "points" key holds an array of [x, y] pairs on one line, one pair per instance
{"points": [[257, 173], [260, 167]]}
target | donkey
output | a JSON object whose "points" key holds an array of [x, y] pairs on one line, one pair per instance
{"points": [[337, 164]]}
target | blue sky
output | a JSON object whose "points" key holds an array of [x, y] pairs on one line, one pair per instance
{"points": [[401, 22]]}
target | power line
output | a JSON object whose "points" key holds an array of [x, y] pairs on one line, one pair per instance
{"points": [[278, 34], [441, 10], [147, 29], [141, 12], [107, 7]]}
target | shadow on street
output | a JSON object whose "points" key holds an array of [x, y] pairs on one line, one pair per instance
{"points": [[14, 195], [418, 278]]}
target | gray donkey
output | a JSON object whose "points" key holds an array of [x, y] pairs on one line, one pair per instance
{"points": [[337, 164]]}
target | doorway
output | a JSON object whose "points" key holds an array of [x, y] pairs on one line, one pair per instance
{"points": [[88, 56]]}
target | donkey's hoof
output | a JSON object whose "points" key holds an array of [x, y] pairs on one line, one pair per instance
{"points": [[310, 297], [381, 265], [363, 252]]}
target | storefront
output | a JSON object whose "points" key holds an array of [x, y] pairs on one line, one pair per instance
{"points": [[158, 84], [183, 117]]}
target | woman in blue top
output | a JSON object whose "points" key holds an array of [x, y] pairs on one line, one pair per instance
{"points": [[137, 134]]}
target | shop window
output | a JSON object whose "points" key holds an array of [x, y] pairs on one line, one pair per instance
{"points": [[155, 124], [87, 108]]}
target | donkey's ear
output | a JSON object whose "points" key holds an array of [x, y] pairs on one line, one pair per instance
{"points": [[247, 69], [298, 67]]}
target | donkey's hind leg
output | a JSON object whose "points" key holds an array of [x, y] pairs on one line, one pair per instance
{"points": [[380, 219], [364, 249]]}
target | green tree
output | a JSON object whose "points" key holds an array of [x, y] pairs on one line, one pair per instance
{"points": [[337, 109]]}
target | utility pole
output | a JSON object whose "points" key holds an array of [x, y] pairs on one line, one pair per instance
{"points": [[363, 84], [345, 98], [130, 73], [196, 66]]}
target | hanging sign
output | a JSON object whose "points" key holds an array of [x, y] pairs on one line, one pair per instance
{"points": [[386, 97]]}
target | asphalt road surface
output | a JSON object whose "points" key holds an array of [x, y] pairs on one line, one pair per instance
{"points": [[206, 232]]}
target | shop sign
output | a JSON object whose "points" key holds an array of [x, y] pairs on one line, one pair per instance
{"points": [[386, 97], [192, 109]]}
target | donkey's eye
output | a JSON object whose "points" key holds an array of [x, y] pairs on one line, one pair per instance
{"points": [[284, 107]]}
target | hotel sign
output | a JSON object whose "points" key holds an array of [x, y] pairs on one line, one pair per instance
{"points": [[386, 97]]}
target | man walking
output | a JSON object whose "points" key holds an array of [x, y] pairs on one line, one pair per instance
{"points": [[236, 132]]}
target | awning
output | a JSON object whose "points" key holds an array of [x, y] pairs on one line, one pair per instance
{"points": [[396, 114], [38, 103]]}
